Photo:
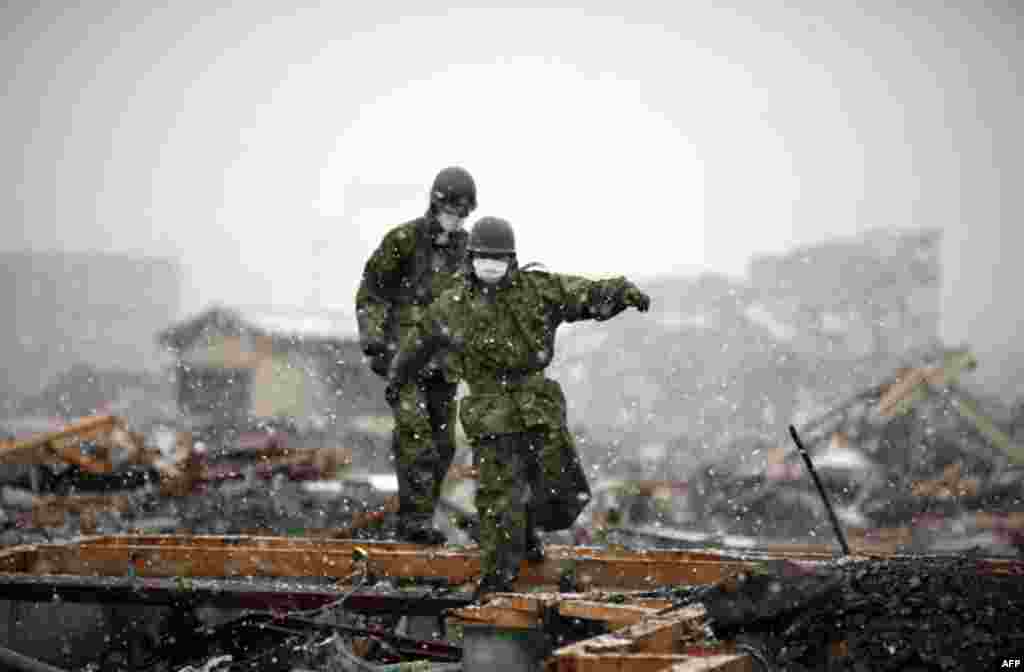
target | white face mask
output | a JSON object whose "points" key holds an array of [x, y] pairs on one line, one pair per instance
{"points": [[490, 270], [450, 222]]}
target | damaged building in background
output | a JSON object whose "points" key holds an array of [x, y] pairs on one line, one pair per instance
{"points": [[236, 370], [235, 364]]}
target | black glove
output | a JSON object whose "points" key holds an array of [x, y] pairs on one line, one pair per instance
{"points": [[391, 392], [634, 297], [380, 365], [379, 358]]}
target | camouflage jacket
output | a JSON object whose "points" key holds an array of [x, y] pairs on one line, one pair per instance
{"points": [[500, 341], [404, 275]]}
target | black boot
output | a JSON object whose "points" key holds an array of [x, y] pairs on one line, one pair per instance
{"points": [[420, 532], [492, 584], [534, 545]]}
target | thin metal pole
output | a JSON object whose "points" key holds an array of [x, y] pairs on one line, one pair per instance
{"points": [[821, 489]]}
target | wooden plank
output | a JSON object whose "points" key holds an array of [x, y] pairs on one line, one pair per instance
{"points": [[498, 615], [70, 451], [653, 663], [29, 449], [172, 561], [616, 663], [666, 632], [615, 614], [173, 555], [225, 561], [663, 634], [638, 571], [727, 662], [807, 552], [655, 643], [200, 541], [326, 460], [512, 610], [635, 598], [554, 553], [686, 625], [17, 558]]}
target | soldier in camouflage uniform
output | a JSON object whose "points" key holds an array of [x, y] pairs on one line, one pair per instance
{"points": [[414, 263], [498, 330]]}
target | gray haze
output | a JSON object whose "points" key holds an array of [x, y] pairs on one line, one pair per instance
{"points": [[267, 146]]}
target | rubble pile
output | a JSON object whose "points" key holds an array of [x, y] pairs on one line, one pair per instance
{"points": [[275, 507], [895, 614], [96, 476], [284, 644], [916, 457]]}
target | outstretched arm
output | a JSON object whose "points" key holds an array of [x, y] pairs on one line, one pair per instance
{"points": [[583, 299]]}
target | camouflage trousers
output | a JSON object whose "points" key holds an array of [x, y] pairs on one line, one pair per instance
{"points": [[509, 466], [423, 445]]}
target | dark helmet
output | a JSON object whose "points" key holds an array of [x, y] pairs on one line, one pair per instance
{"points": [[454, 187], [492, 235]]}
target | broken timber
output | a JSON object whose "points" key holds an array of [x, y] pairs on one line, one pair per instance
{"points": [[89, 444], [171, 556], [287, 573], [651, 635], [282, 574], [62, 445]]}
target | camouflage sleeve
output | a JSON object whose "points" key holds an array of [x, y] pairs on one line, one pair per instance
{"points": [[425, 339], [582, 299], [380, 286]]}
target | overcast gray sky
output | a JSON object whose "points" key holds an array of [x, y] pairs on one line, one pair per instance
{"points": [[269, 145]]}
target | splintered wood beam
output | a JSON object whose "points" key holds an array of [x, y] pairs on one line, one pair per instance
{"points": [[613, 614], [557, 553], [226, 561], [202, 541], [571, 659], [728, 662], [636, 571], [512, 610], [665, 633], [106, 432], [616, 663], [657, 643], [497, 614], [877, 543], [175, 555], [654, 663], [17, 559], [37, 448], [811, 553], [70, 451], [662, 635]]}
